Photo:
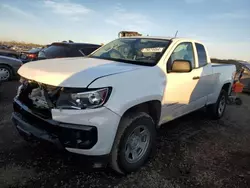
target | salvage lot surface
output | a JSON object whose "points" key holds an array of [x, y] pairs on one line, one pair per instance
{"points": [[192, 151]]}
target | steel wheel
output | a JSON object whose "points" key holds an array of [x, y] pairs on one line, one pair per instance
{"points": [[137, 144], [222, 105], [4, 73], [217, 109], [133, 143]]}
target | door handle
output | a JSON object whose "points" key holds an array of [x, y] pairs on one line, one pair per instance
{"points": [[196, 78]]}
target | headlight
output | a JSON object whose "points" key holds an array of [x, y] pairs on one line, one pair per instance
{"points": [[83, 100]]}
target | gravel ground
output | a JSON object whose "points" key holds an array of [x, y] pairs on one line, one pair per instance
{"points": [[192, 151]]}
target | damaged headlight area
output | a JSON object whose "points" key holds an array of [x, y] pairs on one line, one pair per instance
{"points": [[45, 97], [73, 99], [23, 82], [39, 98]]}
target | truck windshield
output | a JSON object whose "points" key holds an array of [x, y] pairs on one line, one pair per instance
{"points": [[142, 51]]}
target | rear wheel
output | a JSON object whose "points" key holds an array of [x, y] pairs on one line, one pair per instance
{"points": [[217, 110], [5, 73], [133, 143]]}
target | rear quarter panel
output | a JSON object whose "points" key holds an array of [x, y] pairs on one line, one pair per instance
{"points": [[224, 75]]}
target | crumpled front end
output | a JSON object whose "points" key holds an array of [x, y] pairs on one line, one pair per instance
{"points": [[40, 98], [83, 131]]}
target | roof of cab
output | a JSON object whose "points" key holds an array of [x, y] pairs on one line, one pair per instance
{"points": [[74, 44], [166, 38]]}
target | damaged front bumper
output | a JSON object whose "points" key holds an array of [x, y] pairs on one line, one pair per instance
{"points": [[63, 135]]}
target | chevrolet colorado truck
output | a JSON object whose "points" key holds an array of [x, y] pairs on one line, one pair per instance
{"points": [[110, 104]]}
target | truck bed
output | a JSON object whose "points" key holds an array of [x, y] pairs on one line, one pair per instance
{"points": [[226, 69], [219, 64]]}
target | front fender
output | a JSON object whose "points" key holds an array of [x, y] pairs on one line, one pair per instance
{"points": [[133, 88]]}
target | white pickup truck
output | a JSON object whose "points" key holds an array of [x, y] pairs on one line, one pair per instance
{"points": [[111, 103]]}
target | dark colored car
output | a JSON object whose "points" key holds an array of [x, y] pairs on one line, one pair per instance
{"points": [[67, 49], [1, 75], [9, 67], [245, 79], [31, 55], [6, 51]]}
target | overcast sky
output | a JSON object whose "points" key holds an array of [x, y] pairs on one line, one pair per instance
{"points": [[223, 25]]}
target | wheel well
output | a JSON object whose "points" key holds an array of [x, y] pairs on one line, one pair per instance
{"points": [[6, 65], [152, 108], [226, 87], [12, 72]]}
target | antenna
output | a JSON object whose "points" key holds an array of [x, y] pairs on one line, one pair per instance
{"points": [[176, 34]]}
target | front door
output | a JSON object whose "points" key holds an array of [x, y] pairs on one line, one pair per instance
{"points": [[180, 92]]}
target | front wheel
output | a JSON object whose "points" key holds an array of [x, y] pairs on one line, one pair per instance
{"points": [[133, 143], [217, 110]]}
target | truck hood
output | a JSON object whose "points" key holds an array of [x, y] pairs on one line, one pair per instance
{"points": [[72, 72]]}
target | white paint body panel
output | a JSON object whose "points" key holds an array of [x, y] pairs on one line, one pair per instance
{"points": [[178, 93], [72, 72], [104, 119]]}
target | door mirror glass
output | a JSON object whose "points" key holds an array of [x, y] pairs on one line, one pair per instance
{"points": [[181, 66]]}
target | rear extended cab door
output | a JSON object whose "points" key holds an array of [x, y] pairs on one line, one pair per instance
{"points": [[206, 78]]}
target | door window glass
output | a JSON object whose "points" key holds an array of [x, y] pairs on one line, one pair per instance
{"points": [[202, 56], [183, 51]]}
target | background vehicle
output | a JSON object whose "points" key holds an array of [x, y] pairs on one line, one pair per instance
{"points": [[67, 49], [31, 55], [1, 75], [6, 51], [245, 79], [128, 34], [9, 67], [111, 103]]}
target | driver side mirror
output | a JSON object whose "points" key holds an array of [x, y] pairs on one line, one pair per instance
{"points": [[181, 66]]}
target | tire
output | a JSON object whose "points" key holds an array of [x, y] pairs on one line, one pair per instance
{"points": [[217, 110], [126, 143], [7, 73]]}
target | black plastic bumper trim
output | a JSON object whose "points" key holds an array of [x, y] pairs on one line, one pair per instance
{"points": [[31, 131], [53, 131]]}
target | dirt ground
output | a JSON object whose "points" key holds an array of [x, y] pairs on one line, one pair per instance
{"points": [[192, 151]]}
